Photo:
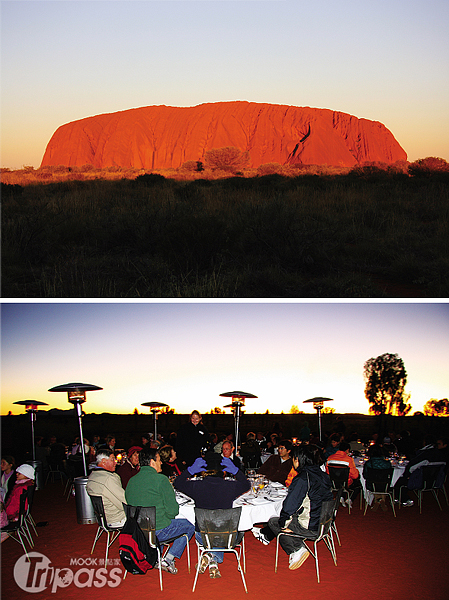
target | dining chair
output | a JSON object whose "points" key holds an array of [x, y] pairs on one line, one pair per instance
{"points": [[55, 471], [339, 476], [378, 481], [334, 516], [147, 522], [324, 533], [219, 532], [29, 521], [112, 533], [17, 529], [433, 478]]}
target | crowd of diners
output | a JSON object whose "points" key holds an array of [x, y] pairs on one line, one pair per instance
{"points": [[148, 473]]}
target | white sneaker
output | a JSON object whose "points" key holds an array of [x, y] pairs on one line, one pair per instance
{"points": [[257, 533], [349, 503], [297, 558], [342, 501]]}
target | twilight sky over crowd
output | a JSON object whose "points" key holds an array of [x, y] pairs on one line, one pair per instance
{"points": [[62, 60], [187, 354]]}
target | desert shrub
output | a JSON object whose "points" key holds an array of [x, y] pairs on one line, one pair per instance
{"points": [[227, 159], [150, 179], [425, 167], [270, 168], [192, 166]]}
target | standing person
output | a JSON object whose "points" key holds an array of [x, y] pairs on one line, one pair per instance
{"points": [[130, 467], [150, 488], [212, 492], [278, 466], [301, 509], [104, 482], [192, 439]]}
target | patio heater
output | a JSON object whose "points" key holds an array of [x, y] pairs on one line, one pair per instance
{"points": [[238, 400], [154, 408], [31, 407], [318, 404], [76, 393]]}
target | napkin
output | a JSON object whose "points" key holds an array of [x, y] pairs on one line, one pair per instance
{"points": [[256, 501]]}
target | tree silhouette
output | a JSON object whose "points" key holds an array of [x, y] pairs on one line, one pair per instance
{"points": [[437, 408], [385, 379]]}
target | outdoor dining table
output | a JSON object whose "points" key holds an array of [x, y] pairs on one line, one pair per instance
{"points": [[398, 471], [255, 508]]}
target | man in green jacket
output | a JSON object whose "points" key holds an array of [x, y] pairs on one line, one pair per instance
{"points": [[150, 488]]}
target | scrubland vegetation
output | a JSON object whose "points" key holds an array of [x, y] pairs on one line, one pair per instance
{"points": [[225, 230]]}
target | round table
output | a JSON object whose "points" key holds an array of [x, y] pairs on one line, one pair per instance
{"points": [[255, 509]]}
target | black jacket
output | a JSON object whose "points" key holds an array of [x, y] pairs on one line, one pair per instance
{"points": [[190, 441], [307, 491]]}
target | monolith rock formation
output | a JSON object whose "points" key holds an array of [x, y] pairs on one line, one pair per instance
{"points": [[161, 137]]}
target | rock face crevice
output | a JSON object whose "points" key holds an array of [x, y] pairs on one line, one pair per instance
{"points": [[158, 137]]}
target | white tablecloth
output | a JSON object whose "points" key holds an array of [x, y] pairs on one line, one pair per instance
{"points": [[257, 509]]}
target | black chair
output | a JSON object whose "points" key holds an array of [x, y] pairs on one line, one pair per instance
{"points": [[147, 522], [220, 533], [433, 481], [339, 476], [55, 471], [29, 521], [324, 533], [336, 505], [17, 529], [97, 503], [378, 481]]}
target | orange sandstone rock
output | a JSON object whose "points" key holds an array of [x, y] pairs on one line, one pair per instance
{"points": [[158, 137]]}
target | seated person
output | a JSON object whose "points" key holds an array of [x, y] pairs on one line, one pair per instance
{"points": [[333, 445], [301, 509], [130, 466], [104, 482], [8, 478], [168, 457], [150, 488], [212, 492], [278, 466], [24, 478], [376, 459], [430, 453], [250, 452], [342, 456], [227, 451]]}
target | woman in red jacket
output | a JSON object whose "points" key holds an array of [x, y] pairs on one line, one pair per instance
{"points": [[25, 478]]}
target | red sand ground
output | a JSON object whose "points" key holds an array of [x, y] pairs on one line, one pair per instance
{"points": [[381, 557]]}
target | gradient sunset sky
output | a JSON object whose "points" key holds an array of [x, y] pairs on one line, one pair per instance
{"points": [[387, 61], [186, 354]]}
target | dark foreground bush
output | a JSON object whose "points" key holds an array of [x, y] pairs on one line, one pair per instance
{"points": [[271, 236]]}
